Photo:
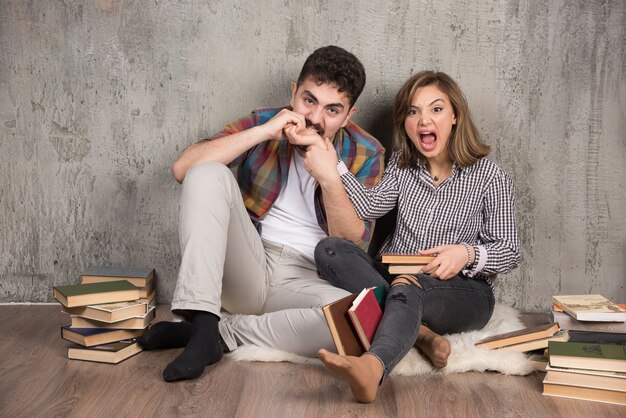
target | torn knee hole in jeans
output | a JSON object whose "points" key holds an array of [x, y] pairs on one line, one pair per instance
{"points": [[405, 279]]}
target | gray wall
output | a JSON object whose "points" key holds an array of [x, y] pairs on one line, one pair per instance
{"points": [[98, 97]]}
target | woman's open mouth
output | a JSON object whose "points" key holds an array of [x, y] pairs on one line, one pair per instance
{"points": [[428, 139]]}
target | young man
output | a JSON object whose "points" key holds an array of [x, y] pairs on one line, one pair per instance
{"points": [[252, 214]]}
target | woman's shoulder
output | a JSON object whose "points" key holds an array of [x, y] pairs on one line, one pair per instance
{"points": [[488, 166]]}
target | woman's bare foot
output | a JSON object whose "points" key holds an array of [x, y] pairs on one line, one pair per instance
{"points": [[436, 347], [363, 373]]}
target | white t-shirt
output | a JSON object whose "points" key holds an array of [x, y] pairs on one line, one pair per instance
{"points": [[291, 220]]}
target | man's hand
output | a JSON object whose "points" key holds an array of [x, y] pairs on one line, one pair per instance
{"points": [[303, 137], [321, 162], [449, 261], [275, 127]]}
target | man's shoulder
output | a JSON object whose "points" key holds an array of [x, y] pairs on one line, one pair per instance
{"points": [[361, 138], [263, 114]]}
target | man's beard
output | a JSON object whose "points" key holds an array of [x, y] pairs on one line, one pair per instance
{"points": [[318, 128]]}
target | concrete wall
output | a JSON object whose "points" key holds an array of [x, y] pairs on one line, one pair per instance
{"points": [[98, 97]]}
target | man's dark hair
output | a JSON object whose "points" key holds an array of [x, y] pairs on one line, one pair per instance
{"points": [[334, 65]]}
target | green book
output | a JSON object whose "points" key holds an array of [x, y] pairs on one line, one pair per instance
{"points": [[95, 293], [589, 356], [139, 276]]}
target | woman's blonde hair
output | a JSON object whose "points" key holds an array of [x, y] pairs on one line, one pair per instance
{"points": [[465, 145]]}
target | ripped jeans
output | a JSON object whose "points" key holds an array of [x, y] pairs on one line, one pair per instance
{"points": [[445, 306]]}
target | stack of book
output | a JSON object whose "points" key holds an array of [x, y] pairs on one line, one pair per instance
{"points": [[406, 263], [109, 309], [592, 364], [353, 320], [594, 371]]}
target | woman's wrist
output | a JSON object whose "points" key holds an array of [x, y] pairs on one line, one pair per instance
{"points": [[471, 255]]}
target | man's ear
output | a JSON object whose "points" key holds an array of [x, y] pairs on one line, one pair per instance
{"points": [[294, 89], [348, 116]]}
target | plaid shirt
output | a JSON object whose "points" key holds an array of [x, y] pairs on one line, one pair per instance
{"points": [[475, 205], [262, 170]]}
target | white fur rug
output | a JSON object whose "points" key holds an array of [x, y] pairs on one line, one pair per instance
{"points": [[464, 357]]}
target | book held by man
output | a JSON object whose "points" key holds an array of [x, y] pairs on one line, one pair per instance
{"points": [[590, 308], [95, 293], [109, 353]]}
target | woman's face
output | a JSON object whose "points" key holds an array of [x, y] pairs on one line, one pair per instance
{"points": [[429, 122]]}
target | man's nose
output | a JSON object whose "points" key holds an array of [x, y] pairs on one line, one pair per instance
{"points": [[315, 115]]}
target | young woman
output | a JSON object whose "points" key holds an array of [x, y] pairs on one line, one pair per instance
{"points": [[453, 203]]}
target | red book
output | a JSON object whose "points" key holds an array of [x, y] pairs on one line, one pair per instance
{"points": [[365, 314]]}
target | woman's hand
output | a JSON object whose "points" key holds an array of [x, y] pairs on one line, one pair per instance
{"points": [[449, 261]]}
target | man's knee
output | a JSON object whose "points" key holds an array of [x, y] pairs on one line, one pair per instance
{"points": [[207, 172]]}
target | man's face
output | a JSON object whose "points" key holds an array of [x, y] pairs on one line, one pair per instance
{"points": [[324, 107]]}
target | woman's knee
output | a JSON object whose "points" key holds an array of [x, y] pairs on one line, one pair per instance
{"points": [[406, 279], [329, 248]]}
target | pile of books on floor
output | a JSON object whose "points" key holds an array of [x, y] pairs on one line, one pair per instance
{"points": [[353, 320], [592, 364], [406, 263], [109, 309]]}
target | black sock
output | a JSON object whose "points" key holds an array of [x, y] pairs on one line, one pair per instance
{"points": [[204, 348], [166, 335]]}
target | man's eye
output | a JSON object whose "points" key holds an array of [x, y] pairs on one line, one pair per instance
{"points": [[332, 110], [308, 101]]}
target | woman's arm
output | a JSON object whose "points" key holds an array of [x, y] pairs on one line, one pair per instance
{"points": [[499, 247], [372, 203]]}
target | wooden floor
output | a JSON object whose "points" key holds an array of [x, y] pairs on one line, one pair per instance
{"points": [[37, 380]]}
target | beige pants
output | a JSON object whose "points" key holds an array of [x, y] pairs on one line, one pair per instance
{"points": [[225, 265]]}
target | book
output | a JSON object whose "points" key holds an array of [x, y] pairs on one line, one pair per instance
{"points": [[138, 322], [590, 308], [365, 314], [109, 353], [341, 328], [89, 337], [519, 336], [110, 312], [588, 378], [597, 337], [95, 293], [406, 268], [538, 360], [568, 322], [138, 276], [590, 356], [150, 299], [584, 393], [406, 259], [561, 335]]}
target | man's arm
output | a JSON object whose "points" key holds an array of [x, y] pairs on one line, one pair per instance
{"points": [[342, 219], [226, 148]]}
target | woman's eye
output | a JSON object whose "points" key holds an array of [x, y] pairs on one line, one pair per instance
{"points": [[437, 109], [412, 112]]}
